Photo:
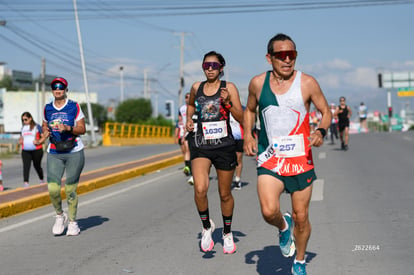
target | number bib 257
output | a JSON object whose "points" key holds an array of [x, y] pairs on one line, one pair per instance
{"points": [[215, 130], [289, 146]]}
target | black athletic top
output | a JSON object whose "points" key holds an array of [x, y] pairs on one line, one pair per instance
{"points": [[213, 120]]}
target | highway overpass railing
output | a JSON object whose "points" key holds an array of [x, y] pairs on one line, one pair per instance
{"points": [[136, 134]]}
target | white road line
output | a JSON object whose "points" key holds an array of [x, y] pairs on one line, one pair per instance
{"points": [[317, 190], [322, 155], [407, 138], [126, 189]]}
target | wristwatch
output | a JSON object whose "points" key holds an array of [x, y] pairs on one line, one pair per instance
{"points": [[323, 131]]}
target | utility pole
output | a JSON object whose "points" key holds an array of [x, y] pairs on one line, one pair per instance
{"points": [[38, 106], [389, 110], [145, 83], [121, 69], [85, 80], [156, 104], [42, 81], [180, 91]]}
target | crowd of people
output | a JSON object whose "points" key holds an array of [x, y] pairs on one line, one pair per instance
{"points": [[214, 130]]}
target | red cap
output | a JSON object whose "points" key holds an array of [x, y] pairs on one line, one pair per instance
{"points": [[61, 80]]}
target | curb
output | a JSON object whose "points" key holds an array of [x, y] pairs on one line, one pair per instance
{"points": [[34, 201]]}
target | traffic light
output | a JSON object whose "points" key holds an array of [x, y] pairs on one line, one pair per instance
{"points": [[380, 80], [168, 108], [390, 112]]}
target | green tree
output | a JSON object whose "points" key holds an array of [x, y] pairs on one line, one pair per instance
{"points": [[7, 83], [134, 110], [99, 113]]}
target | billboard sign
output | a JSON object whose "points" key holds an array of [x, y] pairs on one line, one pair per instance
{"points": [[22, 79], [406, 91], [398, 80]]}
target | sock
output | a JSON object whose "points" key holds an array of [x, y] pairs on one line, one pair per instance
{"points": [[301, 262], [236, 179], [205, 218], [227, 224]]}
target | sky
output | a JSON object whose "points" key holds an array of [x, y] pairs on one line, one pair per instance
{"points": [[343, 44]]}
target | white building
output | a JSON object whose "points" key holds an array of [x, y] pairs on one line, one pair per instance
{"points": [[13, 104]]}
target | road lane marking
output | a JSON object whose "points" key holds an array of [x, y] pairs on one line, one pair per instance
{"points": [[317, 190], [126, 189], [322, 155], [407, 138]]}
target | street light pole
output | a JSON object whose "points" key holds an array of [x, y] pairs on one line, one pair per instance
{"points": [[85, 80], [121, 69]]}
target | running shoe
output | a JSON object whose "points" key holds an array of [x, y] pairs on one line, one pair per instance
{"points": [[186, 171], [229, 247], [298, 268], [26, 184], [237, 185], [73, 229], [1, 188], [190, 181], [207, 242], [59, 225], [286, 242]]}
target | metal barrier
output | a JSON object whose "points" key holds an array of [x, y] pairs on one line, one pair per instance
{"points": [[135, 134]]}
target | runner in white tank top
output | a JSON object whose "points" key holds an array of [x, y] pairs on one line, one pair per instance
{"points": [[284, 96]]}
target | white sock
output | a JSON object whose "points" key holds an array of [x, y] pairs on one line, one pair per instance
{"points": [[237, 179], [301, 262]]}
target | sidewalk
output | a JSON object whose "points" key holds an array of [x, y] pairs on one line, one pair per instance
{"points": [[23, 199]]}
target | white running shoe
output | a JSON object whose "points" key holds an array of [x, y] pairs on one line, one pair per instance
{"points": [[59, 225], [73, 229], [229, 247], [190, 181], [207, 242]]}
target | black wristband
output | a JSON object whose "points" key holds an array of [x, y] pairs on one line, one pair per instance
{"points": [[323, 131]]}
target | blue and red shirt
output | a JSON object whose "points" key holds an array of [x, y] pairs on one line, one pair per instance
{"points": [[68, 114]]}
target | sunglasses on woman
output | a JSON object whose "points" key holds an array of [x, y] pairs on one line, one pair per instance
{"points": [[213, 65], [58, 86]]}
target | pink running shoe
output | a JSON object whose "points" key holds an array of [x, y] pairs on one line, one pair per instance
{"points": [[207, 242], [229, 247]]}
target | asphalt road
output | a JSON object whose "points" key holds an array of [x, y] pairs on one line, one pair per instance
{"points": [[361, 213]]}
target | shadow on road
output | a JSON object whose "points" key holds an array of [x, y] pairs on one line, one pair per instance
{"points": [[271, 261], [218, 239], [86, 223]]}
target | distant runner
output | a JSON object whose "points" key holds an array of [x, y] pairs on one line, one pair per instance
{"points": [[344, 113]]}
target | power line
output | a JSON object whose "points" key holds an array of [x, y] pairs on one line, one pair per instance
{"points": [[126, 9]]}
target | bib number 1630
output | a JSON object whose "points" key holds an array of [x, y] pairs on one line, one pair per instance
{"points": [[215, 130]]}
